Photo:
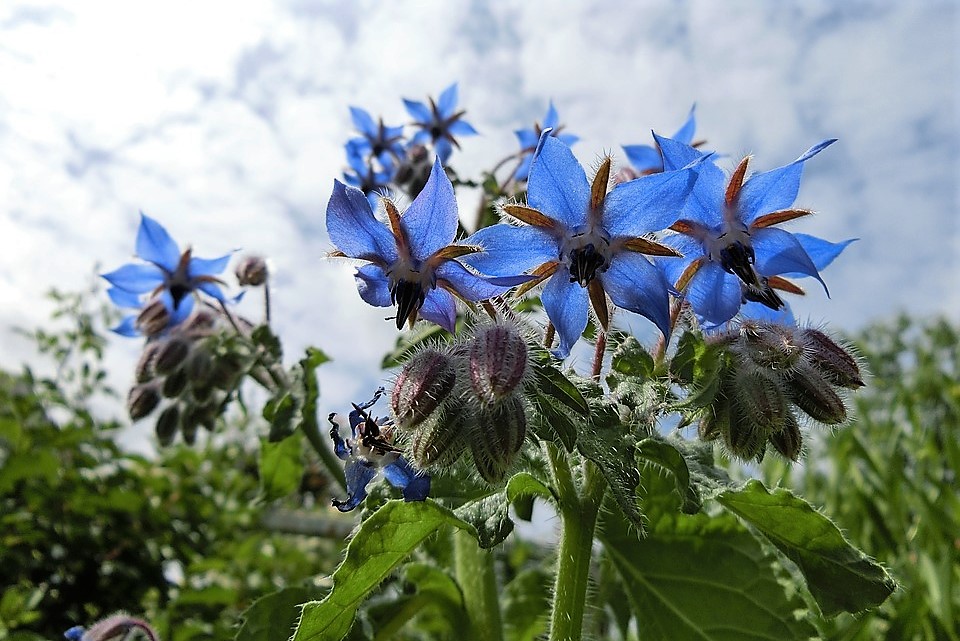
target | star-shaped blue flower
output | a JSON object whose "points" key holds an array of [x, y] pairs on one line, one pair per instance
{"points": [[439, 122], [732, 253], [411, 259], [647, 160], [173, 277], [377, 140], [364, 176], [585, 242], [530, 137], [369, 449]]}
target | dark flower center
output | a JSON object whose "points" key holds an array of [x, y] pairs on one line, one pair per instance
{"points": [[178, 292], [585, 262], [738, 258], [408, 297], [436, 132], [764, 294]]}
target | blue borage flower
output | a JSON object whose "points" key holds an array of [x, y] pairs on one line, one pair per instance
{"points": [[732, 253], [412, 261], [586, 242], [530, 137], [369, 450], [373, 182], [439, 122], [646, 159], [377, 140], [170, 276]]}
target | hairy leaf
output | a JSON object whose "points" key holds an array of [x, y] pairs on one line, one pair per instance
{"points": [[281, 467]]}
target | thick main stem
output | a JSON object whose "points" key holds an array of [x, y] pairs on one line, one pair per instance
{"points": [[478, 580]]}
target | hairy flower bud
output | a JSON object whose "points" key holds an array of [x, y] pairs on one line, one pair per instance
{"points": [[499, 437], [835, 363], [199, 365], [168, 423], [200, 322], [199, 416], [497, 362], [440, 440], [145, 370], [788, 441], [171, 354], [142, 400], [423, 384], [174, 384], [770, 345], [813, 394], [227, 370], [153, 318], [759, 409], [251, 271]]}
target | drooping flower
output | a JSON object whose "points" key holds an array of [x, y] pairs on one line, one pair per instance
{"points": [[646, 159], [411, 259], [439, 122], [377, 139], [732, 253], [369, 449], [530, 137], [169, 276], [587, 244]]}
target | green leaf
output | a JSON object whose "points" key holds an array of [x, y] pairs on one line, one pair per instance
{"points": [[839, 576], [668, 460], [703, 579], [613, 448], [280, 411], [381, 543], [491, 518], [263, 336], [273, 617], [552, 423], [409, 342], [682, 363], [552, 382], [526, 605], [631, 359], [281, 467], [526, 484]]}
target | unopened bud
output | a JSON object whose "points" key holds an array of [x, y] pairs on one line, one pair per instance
{"points": [[758, 407], [788, 441], [227, 369], [715, 419], [144, 370], [200, 416], [174, 384], [771, 345], [199, 366], [171, 354], [834, 362], [189, 431], [153, 318], [423, 384], [168, 423], [252, 271], [811, 392], [442, 439], [200, 322], [497, 362], [142, 400], [499, 437]]}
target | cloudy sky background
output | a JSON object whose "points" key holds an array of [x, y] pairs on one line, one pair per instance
{"points": [[226, 120]]}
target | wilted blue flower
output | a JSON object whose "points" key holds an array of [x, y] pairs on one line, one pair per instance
{"points": [[369, 449], [646, 159], [364, 176], [439, 122], [169, 276], [530, 137], [732, 253], [411, 259], [378, 140], [587, 242]]}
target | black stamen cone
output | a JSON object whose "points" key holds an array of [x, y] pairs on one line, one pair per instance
{"points": [[178, 292], [763, 293], [584, 264], [738, 258], [408, 297]]}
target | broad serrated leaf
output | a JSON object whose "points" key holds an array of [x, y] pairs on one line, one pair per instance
{"points": [[703, 579], [553, 383], [839, 576], [491, 518], [631, 359], [264, 337], [668, 460], [381, 543], [273, 617], [551, 423], [613, 449], [280, 412], [281, 467], [526, 484]]}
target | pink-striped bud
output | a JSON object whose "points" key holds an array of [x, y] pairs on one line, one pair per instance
{"points": [[499, 437], [835, 363], [497, 359], [813, 394], [788, 441], [423, 384], [442, 439]]}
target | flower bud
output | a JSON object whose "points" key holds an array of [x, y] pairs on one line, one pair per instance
{"points": [[199, 366], [189, 431], [200, 322], [174, 384], [167, 425], [200, 416], [153, 318], [227, 369], [715, 419], [423, 384], [770, 345], [145, 370], [497, 362], [788, 441], [142, 400], [251, 271], [811, 392], [171, 354], [759, 408], [835, 363], [499, 437], [442, 439]]}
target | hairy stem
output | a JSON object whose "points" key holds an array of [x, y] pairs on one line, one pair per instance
{"points": [[478, 580], [598, 353]]}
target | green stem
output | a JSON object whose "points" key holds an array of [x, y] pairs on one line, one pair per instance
{"points": [[478, 580]]}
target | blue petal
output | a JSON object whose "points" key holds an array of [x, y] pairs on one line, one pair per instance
{"points": [[208, 266], [363, 122], [431, 220], [779, 252], [358, 474], [676, 154], [566, 305], [420, 112], [353, 228], [461, 128], [685, 133], [558, 186], [643, 157], [401, 475], [759, 311], [155, 245], [180, 312], [636, 285], [422, 137], [528, 138], [647, 204], [440, 308], [75, 633], [447, 102], [136, 278], [705, 205], [127, 326], [821, 252], [552, 119], [672, 267], [567, 139], [714, 294], [509, 250], [471, 287], [213, 290], [523, 169], [123, 298], [775, 189], [373, 285], [444, 149]]}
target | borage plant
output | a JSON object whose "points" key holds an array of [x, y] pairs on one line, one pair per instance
{"points": [[482, 418]]}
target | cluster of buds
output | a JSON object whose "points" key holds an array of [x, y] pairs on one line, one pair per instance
{"points": [[185, 375], [774, 375], [469, 397]]}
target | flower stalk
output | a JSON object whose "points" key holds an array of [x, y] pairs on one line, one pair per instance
{"points": [[478, 580]]}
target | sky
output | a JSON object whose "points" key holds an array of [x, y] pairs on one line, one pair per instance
{"points": [[226, 122]]}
